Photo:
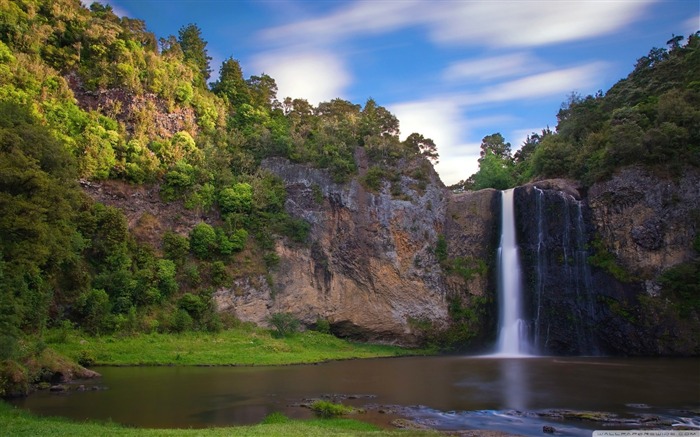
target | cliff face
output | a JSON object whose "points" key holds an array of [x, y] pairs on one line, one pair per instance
{"points": [[593, 263], [369, 267]]}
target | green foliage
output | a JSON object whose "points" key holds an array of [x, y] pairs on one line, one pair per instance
{"points": [[285, 324], [323, 326], [181, 321], [275, 417], [372, 180], [318, 195], [327, 409], [66, 258], [193, 304], [93, 308], [236, 199], [605, 260], [176, 247], [650, 118], [441, 248], [167, 284], [195, 51], [466, 267], [682, 284], [219, 274], [203, 240]]}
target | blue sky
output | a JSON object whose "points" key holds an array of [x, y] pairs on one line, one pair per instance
{"points": [[452, 70]]}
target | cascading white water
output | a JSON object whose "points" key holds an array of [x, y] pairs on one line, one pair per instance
{"points": [[512, 334]]}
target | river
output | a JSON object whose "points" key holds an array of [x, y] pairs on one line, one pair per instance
{"points": [[446, 392]]}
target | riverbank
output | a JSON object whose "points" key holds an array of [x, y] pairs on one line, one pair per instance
{"points": [[242, 346], [17, 423]]}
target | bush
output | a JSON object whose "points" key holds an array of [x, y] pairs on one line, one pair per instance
{"points": [[181, 321], [219, 274], [329, 410], [284, 323], [86, 358], [14, 379], [236, 199], [275, 417], [323, 326], [176, 247], [193, 304], [93, 307], [203, 240]]}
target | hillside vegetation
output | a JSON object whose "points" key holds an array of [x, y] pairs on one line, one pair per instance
{"points": [[650, 118], [87, 95]]}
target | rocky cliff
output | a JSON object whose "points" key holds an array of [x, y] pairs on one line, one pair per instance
{"points": [[370, 267], [593, 260], [594, 263]]}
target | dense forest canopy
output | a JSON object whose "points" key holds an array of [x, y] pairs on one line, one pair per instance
{"points": [[650, 118]]}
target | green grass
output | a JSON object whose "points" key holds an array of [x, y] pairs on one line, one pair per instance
{"points": [[239, 346], [17, 422]]}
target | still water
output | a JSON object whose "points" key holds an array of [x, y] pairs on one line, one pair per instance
{"points": [[447, 392]]}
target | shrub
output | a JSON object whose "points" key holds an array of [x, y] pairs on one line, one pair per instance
{"points": [[328, 409], [86, 358], [236, 199], [93, 307], [181, 321], [203, 240], [275, 417], [323, 326], [176, 247], [284, 323], [193, 304]]}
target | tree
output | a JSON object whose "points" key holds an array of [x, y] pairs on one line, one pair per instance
{"points": [[417, 143], [263, 91], [194, 49], [496, 144], [231, 84], [494, 172]]}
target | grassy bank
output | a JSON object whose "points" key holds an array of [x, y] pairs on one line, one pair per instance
{"points": [[238, 346], [16, 422]]}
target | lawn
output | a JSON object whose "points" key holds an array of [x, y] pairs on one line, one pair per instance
{"points": [[16, 423], [238, 346]]}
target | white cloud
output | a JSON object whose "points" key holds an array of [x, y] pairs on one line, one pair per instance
{"points": [[692, 24], [314, 75], [442, 121], [460, 165], [356, 19], [497, 67], [539, 85], [531, 23], [507, 23]]}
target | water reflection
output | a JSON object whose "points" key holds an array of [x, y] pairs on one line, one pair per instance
{"points": [[515, 384], [201, 397]]}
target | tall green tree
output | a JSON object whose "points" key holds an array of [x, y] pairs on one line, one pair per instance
{"points": [[231, 84], [194, 49]]}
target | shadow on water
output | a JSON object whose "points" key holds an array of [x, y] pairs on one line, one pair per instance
{"points": [[508, 394]]}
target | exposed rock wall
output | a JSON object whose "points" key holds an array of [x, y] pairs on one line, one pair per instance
{"points": [[636, 223], [648, 222], [370, 267]]}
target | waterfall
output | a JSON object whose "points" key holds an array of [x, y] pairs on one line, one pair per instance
{"points": [[562, 295], [539, 278], [512, 335]]}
